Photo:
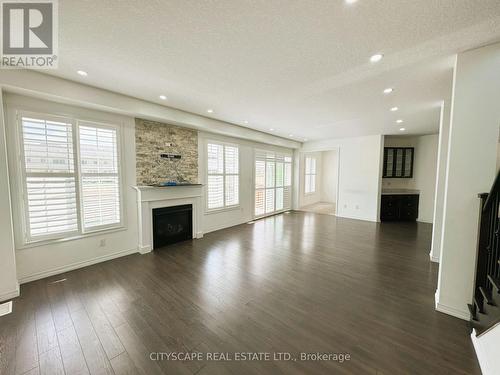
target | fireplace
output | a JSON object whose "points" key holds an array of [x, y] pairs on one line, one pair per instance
{"points": [[172, 224]]}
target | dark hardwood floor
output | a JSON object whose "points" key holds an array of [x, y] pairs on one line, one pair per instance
{"points": [[298, 282]]}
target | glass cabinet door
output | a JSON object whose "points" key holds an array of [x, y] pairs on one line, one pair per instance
{"points": [[389, 162], [399, 162], [408, 162]]}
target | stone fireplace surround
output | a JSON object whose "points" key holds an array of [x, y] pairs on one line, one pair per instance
{"points": [[150, 197]]}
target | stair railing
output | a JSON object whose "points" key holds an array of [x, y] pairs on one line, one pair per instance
{"points": [[488, 248]]}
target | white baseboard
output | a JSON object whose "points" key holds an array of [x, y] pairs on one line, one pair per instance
{"points": [[433, 258], [461, 314], [199, 235], [9, 295], [144, 249], [74, 266], [480, 354], [357, 218]]}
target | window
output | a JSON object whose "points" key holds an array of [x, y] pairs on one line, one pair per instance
{"points": [[273, 181], [71, 177], [310, 175], [222, 176]]}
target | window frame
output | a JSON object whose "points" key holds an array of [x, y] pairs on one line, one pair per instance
{"points": [[276, 159], [306, 174], [223, 175], [28, 241]]}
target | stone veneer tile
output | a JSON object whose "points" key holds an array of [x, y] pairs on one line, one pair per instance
{"points": [[151, 139]]}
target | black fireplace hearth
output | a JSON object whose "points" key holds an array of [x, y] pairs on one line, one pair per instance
{"points": [[172, 224]]}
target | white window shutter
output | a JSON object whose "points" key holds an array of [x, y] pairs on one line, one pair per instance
{"points": [[50, 184], [223, 175], [100, 179], [273, 180]]}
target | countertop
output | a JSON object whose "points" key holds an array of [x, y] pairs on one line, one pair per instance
{"points": [[400, 192]]}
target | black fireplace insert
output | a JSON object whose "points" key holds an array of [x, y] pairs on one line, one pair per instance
{"points": [[172, 224]]}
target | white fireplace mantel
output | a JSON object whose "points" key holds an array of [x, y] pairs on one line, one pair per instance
{"points": [[151, 197]]}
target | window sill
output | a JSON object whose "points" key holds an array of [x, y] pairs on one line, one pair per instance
{"points": [[94, 233], [223, 209]]}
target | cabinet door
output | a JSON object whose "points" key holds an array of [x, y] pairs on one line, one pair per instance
{"points": [[409, 207], [389, 209], [399, 162], [408, 163], [389, 162]]}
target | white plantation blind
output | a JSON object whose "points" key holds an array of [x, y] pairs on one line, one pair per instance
{"points": [[50, 180], [100, 180], [273, 182], [223, 175], [68, 189], [310, 175]]}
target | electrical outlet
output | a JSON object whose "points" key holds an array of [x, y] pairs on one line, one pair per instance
{"points": [[102, 243]]}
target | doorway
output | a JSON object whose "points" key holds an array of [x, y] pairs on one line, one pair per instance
{"points": [[318, 178]]}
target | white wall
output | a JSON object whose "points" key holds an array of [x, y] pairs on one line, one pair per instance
{"points": [[9, 286], [488, 350], [444, 135], [475, 118], [426, 154], [424, 171], [245, 211], [329, 176], [56, 257], [360, 172], [310, 198]]}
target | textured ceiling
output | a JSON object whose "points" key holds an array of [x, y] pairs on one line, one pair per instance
{"points": [[300, 67]]}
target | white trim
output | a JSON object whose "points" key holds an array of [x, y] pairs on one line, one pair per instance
{"points": [[76, 265], [433, 258], [481, 356], [9, 295], [73, 238], [362, 218], [145, 249], [461, 314]]}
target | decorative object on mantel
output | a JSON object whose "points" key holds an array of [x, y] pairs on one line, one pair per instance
{"points": [[165, 153]]}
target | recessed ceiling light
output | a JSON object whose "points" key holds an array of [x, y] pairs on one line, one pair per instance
{"points": [[210, 110], [388, 90], [350, 1], [271, 129], [399, 121], [82, 73], [376, 58], [163, 97], [402, 129], [394, 109]]}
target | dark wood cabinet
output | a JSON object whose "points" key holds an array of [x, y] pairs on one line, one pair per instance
{"points": [[399, 207], [398, 162]]}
